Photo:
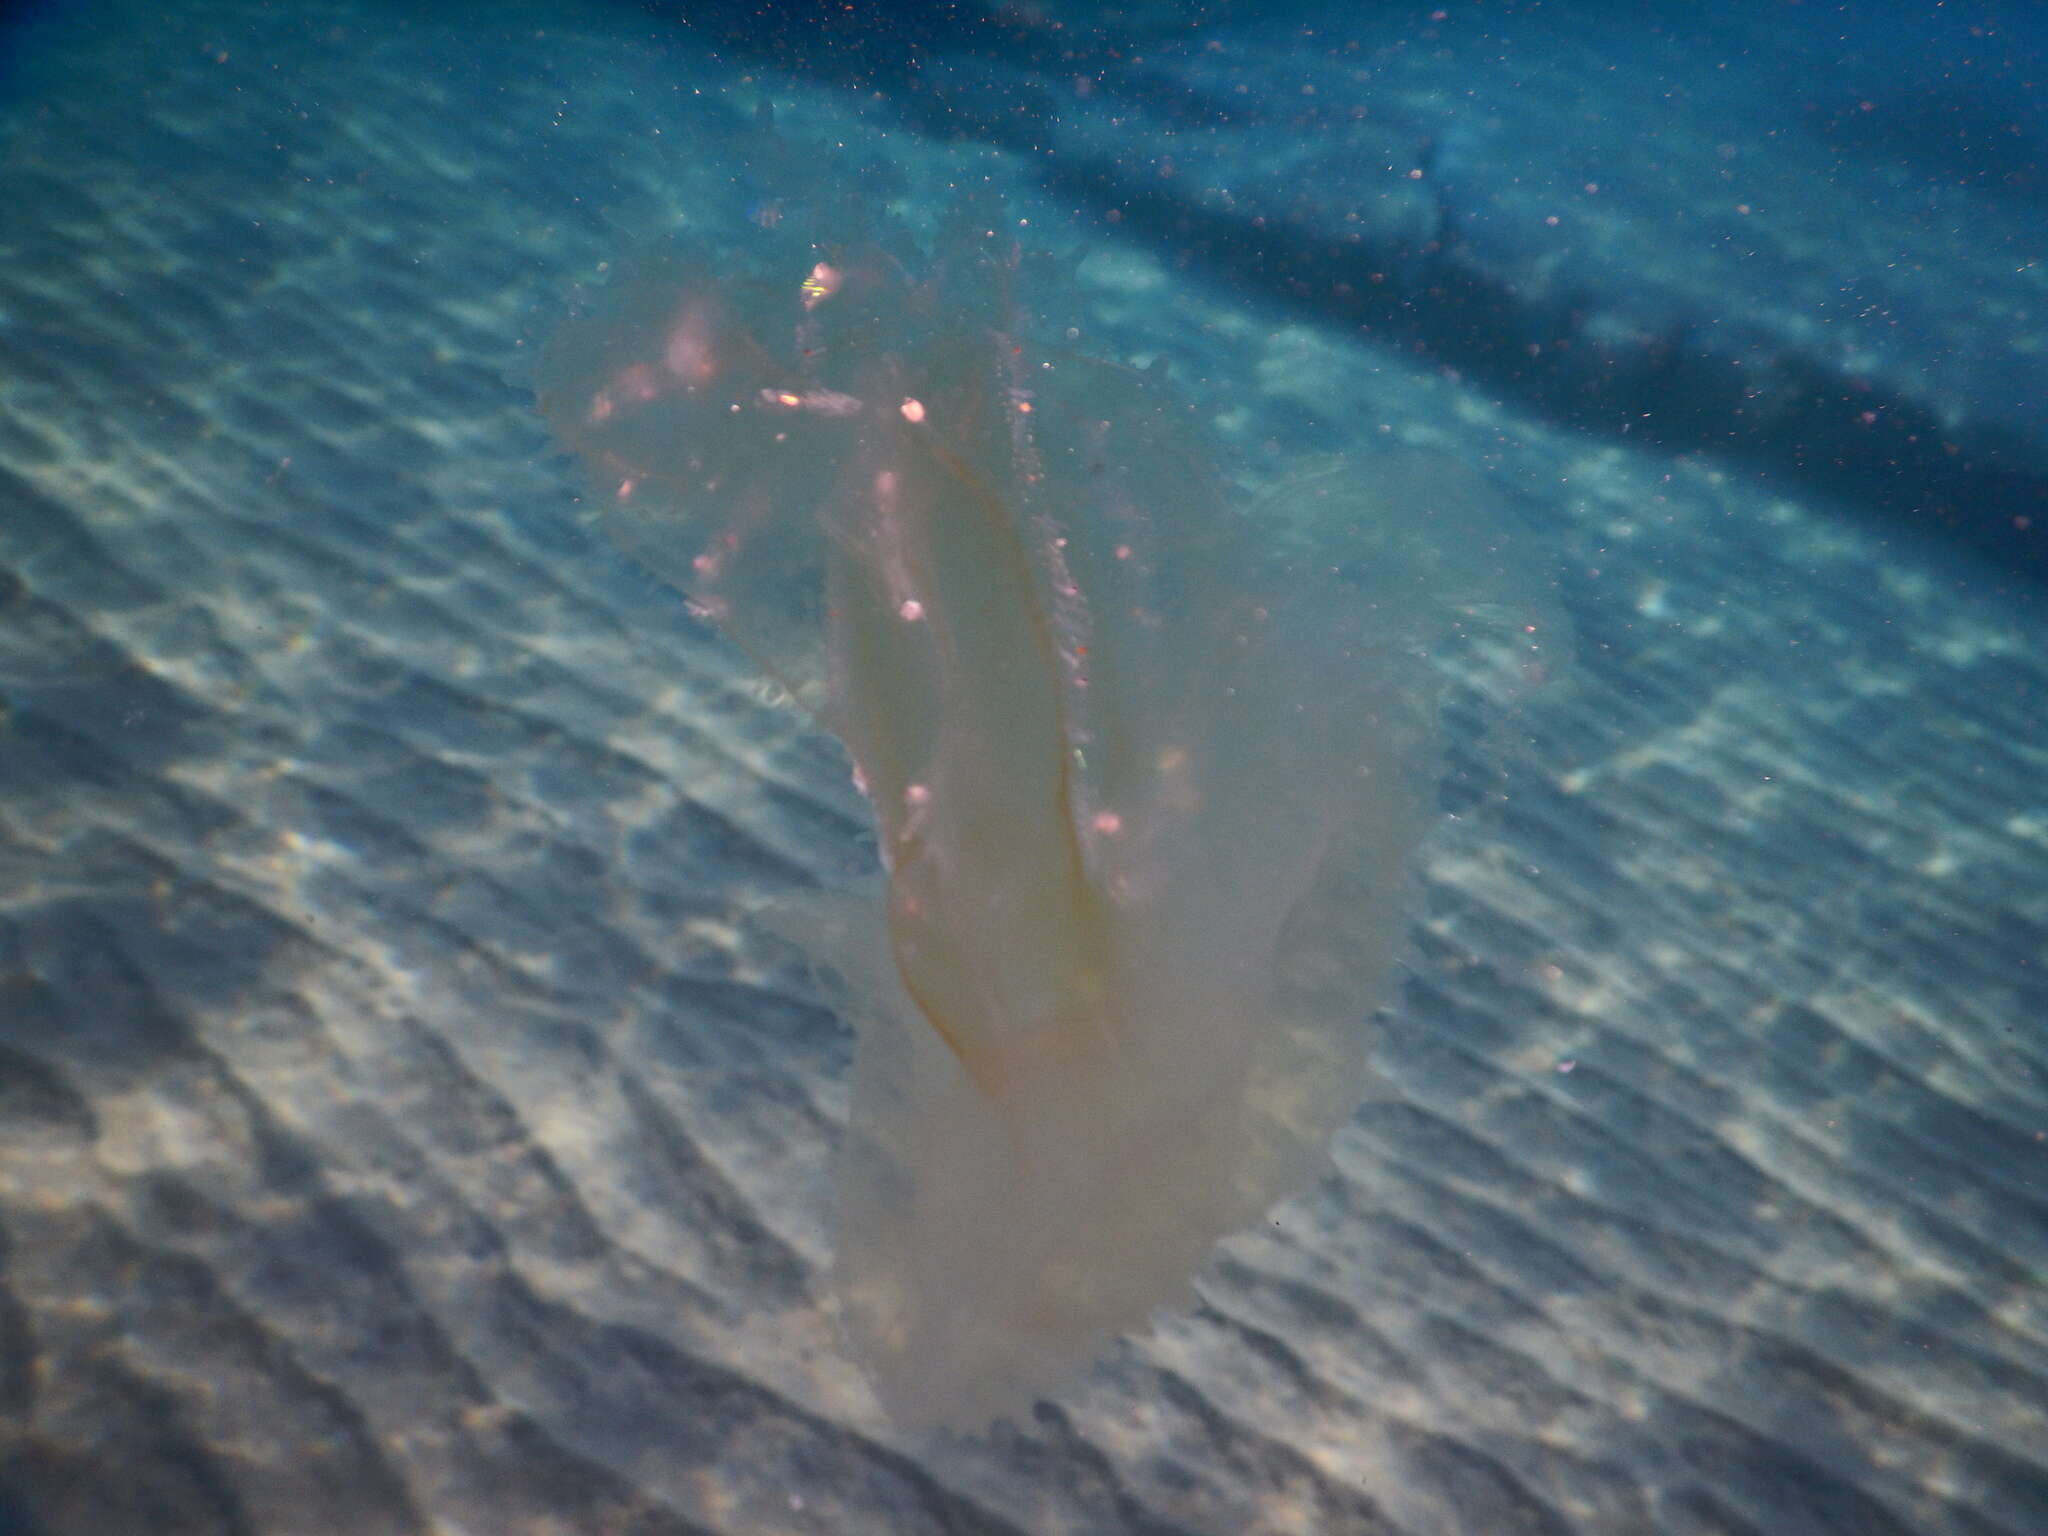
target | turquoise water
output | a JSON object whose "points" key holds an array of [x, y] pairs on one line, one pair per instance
{"points": [[417, 1107]]}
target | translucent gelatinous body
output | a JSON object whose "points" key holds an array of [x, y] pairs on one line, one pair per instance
{"points": [[1146, 802]]}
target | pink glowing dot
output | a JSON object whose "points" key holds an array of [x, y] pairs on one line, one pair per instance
{"points": [[917, 795], [1123, 551], [1108, 823], [913, 410], [910, 611]]}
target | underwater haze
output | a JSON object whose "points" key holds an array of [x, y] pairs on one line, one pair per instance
{"points": [[1025, 769]]}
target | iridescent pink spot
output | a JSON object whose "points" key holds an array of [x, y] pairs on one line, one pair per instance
{"points": [[820, 285], [917, 795], [1108, 823], [910, 611], [913, 410], [637, 383]]}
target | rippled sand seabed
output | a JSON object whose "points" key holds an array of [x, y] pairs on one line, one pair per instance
{"points": [[405, 1125]]}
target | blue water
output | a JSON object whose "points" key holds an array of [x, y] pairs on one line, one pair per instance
{"points": [[416, 1111]]}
